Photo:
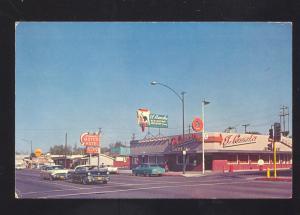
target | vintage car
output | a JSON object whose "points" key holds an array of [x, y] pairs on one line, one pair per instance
{"points": [[111, 169], [20, 166], [54, 172], [148, 170], [87, 174]]}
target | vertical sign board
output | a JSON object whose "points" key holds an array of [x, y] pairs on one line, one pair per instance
{"points": [[91, 141]]}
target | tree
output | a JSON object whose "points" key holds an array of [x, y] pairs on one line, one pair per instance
{"points": [[61, 150], [105, 150], [77, 150]]}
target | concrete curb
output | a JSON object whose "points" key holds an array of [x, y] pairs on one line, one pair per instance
{"points": [[287, 179]]}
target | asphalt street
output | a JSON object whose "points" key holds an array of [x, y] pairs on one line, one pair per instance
{"points": [[123, 186]]}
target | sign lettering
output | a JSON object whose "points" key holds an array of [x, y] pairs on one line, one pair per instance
{"points": [[234, 140], [87, 139], [92, 150], [158, 121]]}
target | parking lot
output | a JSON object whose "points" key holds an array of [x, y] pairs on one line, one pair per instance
{"points": [[29, 185]]}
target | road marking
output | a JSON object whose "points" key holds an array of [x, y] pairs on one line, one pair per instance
{"points": [[120, 184], [45, 182], [136, 189]]}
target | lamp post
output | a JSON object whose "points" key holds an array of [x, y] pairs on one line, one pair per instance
{"points": [[203, 134], [181, 98], [183, 160]]}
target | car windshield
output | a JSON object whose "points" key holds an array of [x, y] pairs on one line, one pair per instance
{"points": [[92, 167], [57, 167], [154, 165]]}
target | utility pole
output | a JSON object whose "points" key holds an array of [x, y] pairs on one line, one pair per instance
{"points": [[133, 136], [246, 125], [282, 115], [99, 149], [66, 150]]}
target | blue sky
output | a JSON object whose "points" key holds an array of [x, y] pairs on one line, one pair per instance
{"points": [[77, 77]]}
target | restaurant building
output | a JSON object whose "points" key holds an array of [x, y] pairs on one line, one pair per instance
{"points": [[223, 151]]}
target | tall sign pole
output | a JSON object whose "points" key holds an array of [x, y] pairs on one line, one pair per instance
{"points": [[99, 151], [275, 173], [203, 163], [66, 150]]}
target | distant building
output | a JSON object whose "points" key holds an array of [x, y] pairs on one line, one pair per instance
{"points": [[121, 150], [71, 161]]}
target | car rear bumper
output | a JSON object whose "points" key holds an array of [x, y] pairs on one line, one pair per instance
{"points": [[95, 179], [62, 176]]}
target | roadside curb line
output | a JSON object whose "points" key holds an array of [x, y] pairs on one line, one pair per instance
{"points": [[274, 179]]}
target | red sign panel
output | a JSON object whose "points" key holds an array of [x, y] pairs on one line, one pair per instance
{"points": [[92, 150], [197, 124], [88, 139]]}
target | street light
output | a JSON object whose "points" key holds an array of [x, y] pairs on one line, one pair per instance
{"points": [[203, 133], [181, 98], [183, 160]]}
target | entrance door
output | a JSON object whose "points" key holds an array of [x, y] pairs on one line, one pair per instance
{"points": [[208, 162]]}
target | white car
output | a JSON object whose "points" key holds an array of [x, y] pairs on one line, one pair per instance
{"points": [[54, 172], [112, 169], [20, 166]]}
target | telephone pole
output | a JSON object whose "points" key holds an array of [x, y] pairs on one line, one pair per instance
{"points": [[282, 115], [246, 125], [99, 152], [133, 136], [66, 150]]}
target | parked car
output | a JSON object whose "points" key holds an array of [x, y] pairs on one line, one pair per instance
{"points": [[20, 166], [87, 174], [148, 170], [53, 172], [111, 169]]}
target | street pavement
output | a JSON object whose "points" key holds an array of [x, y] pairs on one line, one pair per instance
{"points": [[126, 186]]}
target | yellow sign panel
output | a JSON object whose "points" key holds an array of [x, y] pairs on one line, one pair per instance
{"points": [[38, 152]]}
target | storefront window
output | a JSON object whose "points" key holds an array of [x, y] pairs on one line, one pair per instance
{"points": [[231, 159], [135, 160], [160, 159], [253, 158], [192, 160], [179, 159], [289, 159], [265, 158], [243, 158], [152, 159]]}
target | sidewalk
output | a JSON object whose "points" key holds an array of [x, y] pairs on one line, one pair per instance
{"points": [[170, 173], [189, 173]]}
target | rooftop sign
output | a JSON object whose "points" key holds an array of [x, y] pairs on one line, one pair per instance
{"points": [[238, 139], [87, 139], [158, 121]]}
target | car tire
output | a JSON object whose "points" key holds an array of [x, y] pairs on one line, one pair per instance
{"points": [[104, 182]]}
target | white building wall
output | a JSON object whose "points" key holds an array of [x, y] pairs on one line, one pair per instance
{"points": [[103, 159]]}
